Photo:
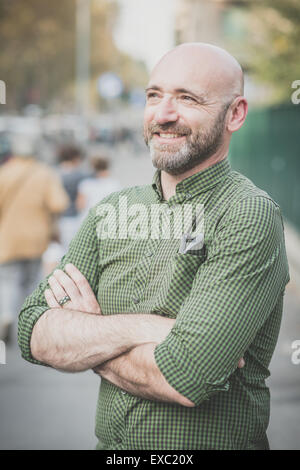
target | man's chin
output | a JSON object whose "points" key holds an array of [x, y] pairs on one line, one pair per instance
{"points": [[175, 164], [164, 164]]}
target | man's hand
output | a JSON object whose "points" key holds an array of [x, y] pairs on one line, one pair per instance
{"points": [[74, 285]]}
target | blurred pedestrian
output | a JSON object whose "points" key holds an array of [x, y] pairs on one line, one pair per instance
{"points": [[30, 196], [101, 184], [71, 172], [4, 148]]}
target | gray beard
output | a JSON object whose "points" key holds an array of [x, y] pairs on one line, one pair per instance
{"points": [[180, 161], [193, 152]]}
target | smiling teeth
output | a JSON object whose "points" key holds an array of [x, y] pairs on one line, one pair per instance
{"points": [[169, 136]]}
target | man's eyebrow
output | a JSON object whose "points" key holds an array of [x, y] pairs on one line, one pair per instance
{"points": [[153, 87]]}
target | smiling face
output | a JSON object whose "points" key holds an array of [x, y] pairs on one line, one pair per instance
{"points": [[184, 120]]}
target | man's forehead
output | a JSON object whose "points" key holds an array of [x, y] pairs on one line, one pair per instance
{"points": [[202, 68], [179, 77]]}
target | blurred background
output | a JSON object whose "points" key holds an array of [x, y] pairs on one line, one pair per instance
{"points": [[72, 79]]}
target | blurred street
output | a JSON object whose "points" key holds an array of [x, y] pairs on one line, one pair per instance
{"points": [[44, 409], [72, 97]]}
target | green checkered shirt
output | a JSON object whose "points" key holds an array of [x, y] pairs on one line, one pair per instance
{"points": [[227, 300]]}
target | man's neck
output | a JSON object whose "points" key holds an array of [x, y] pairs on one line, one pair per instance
{"points": [[169, 182]]}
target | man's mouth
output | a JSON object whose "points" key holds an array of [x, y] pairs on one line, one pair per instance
{"points": [[168, 136]]}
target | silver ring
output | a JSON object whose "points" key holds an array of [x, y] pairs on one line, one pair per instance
{"points": [[64, 300]]}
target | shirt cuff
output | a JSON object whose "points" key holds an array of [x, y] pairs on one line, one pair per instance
{"points": [[182, 373], [26, 324]]}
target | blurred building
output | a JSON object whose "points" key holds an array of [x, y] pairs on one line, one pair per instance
{"points": [[220, 22], [224, 23], [227, 24], [266, 148]]}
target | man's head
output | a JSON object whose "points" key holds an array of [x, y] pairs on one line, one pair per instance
{"points": [[100, 165], [23, 145], [70, 154], [194, 103]]}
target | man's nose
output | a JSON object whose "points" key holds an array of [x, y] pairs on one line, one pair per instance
{"points": [[166, 111]]}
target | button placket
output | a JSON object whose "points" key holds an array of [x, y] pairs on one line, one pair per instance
{"points": [[142, 275]]}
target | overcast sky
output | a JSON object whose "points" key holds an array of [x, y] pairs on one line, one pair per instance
{"points": [[146, 28]]}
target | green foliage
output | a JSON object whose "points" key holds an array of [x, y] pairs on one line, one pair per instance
{"points": [[38, 50], [36, 37], [274, 35]]}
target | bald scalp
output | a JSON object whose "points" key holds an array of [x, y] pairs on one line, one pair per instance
{"points": [[223, 72]]}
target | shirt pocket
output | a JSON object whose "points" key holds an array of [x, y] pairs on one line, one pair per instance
{"points": [[177, 283]]}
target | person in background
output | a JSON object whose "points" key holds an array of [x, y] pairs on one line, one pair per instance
{"points": [[92, 190], [30, 196], [71, 172], [4, 148]]}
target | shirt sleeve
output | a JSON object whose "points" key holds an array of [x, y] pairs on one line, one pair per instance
{"points": [[83, 253], [233, 293]]}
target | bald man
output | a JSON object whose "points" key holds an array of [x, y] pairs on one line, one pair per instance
{"points": [[180, 324]]}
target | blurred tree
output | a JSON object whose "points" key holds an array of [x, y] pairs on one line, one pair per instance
{"points": [[274, 34], [37, 38], [104, 54], [37, 58]]}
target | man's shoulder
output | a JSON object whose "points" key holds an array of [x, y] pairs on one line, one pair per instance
{"points": [[239, 198], [238, 188], [242, 199], [42, 170], [242, 187]]}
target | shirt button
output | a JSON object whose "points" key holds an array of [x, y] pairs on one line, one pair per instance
{"points": [[123, 392], [148, 253], [188, 195], [169, 211], [136, 300], [118, 440]]}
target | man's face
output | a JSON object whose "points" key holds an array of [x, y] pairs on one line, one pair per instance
{"points": [[183, 119]]}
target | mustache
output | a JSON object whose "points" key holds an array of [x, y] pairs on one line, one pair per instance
{"points": [[168, 127]]}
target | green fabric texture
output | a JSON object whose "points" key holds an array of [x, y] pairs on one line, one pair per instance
{"points": [[226, 298]]}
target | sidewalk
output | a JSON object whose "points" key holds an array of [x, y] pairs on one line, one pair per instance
{"points": [[284, 383], [292, 239]]}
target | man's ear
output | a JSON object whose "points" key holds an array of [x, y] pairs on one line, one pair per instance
{"points": [[237, 114]]}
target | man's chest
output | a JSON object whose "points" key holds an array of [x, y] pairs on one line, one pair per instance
{"points": [[149, 276]]}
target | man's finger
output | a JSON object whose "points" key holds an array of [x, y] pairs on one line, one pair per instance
{"points": [[67, 284], [80, 281], [56, 288], [241, 363], [51, 300]]}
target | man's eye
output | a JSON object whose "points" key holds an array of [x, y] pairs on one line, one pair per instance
{"points": [[187, 98], [152, 95]]}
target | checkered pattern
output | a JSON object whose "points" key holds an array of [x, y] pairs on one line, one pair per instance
{"points": [[227, 301]]}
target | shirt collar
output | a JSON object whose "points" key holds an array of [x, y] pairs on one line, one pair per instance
{"points": [[199, 182]]}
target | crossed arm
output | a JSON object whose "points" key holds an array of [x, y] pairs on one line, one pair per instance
{"points": [[240, 286], [81, 338]]}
